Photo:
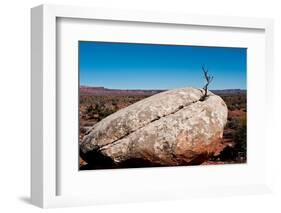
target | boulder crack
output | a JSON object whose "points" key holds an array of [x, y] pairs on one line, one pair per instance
{"points": [[101, 148]]}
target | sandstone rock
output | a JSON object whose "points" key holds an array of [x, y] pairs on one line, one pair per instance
{"points": [[169, 128]]}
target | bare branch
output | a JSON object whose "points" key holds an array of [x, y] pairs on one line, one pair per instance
{"points": [[209, 79]]}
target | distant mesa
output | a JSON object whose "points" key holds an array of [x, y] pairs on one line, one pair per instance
{"points": [[86, 90], [89, 90]]}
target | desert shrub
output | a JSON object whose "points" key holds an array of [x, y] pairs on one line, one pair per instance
{"points": [[233, 123], [238, 151], [105, 112], [90, 109], [235, 101], [231, 107], [240, 138]]}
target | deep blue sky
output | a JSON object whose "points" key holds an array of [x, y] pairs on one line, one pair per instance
{"points": [[150, 66]]}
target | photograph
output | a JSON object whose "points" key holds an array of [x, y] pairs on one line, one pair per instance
{"points": [[161, 105]]}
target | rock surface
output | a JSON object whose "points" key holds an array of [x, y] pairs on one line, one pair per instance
{"points": [[169, 128]]}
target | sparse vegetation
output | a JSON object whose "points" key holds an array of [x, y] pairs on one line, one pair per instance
{"points": [[95, 108]]}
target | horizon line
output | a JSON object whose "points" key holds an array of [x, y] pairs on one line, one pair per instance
{"points": [[155, 88]]}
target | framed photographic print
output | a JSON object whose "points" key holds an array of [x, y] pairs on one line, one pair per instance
{"points": [[130, 106]]}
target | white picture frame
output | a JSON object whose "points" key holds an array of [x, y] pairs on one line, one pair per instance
{"points": [[44, 148]]}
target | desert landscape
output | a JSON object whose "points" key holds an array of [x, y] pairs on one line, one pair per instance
{"points": [[157, 105], [97, 103]]}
